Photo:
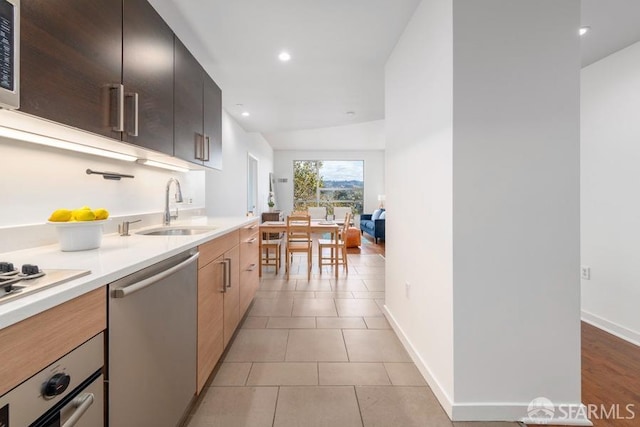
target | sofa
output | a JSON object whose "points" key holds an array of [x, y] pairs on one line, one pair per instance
{"points": [[373, 224]]}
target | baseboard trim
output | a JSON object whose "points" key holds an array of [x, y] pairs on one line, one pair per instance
{"points": [[611, 327], [438, 390], [513, 412], [494, 411]]}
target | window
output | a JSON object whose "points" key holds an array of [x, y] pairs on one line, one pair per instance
{"points": [[328, 183]]}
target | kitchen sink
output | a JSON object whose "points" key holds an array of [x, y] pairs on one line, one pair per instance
{"points": [[176, 231]]}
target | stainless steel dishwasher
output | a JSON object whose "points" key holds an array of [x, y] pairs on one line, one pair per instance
{"points": [[151, 371]]}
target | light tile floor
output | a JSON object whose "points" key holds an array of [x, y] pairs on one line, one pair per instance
{"points": [[320, 353]]}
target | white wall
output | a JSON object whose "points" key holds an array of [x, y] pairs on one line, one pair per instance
{"points": [[610, 182], [419, 85], [226, 190], [374, 177], [516, 204], [358, 136], [36, 180], [483, 112]]}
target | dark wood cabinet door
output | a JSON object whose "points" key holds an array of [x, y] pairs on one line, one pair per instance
{"points": [[213, 122], [70, 55], [188, 112], [147, 71]]}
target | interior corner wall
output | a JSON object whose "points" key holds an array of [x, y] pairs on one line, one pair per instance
{"points": [[374, 176], [516, 237], [226, 189], [610, 206], [418, 104]]}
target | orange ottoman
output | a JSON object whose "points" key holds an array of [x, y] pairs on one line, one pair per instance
{"points": [[353, 237]]}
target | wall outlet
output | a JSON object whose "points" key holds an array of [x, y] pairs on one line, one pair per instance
{"points": [[585, 272], [407, 289]]}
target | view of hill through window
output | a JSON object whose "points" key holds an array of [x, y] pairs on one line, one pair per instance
{"points": [[328, 183]]}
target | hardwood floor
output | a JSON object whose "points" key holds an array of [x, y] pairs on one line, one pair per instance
{"points": [[610, 378], [610, 375]]}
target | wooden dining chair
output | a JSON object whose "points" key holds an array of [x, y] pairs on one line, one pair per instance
{"points": [[269, 244], [298, 241], [337, 245]]}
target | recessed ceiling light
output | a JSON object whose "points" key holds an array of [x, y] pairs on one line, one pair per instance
{"points": [[584, 30], [351, 113], [284, 56], [245, 114]]}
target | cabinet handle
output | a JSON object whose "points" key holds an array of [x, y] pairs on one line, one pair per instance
{"points": [[224, 276], [134, 98], [252, 267], [252, 240], [119, 127], [207, 145], [253, 227], [199, 147], [228, 272]]}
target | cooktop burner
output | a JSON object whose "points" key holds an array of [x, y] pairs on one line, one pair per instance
{"points": [[15, 283]]}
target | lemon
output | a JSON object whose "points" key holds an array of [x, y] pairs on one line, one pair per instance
{"points": [[101, 213], [83, 215], [85, 208], [60, 215]]}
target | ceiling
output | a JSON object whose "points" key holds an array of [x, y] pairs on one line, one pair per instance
{"points": [[615, 24], [338, 49]]}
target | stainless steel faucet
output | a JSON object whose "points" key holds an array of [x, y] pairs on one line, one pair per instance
{"points": [[167, 214]]}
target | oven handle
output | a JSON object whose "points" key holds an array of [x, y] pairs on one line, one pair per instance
{"points": [[81, 403], [128, 290]]}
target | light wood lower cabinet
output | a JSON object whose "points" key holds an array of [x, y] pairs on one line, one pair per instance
{"points": [[218, 301], [30, 345], [249, 265], [210, 319], [232, 294], [227, 282]]}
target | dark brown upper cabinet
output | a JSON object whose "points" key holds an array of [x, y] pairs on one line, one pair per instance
{"points": [[112, 67], [188, 111], [147, 76], [213, 123], [70, 57], [198, 110]]}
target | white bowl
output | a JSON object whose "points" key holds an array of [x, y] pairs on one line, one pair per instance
{"points": [[79, 235]]}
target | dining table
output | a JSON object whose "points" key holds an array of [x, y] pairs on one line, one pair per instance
{"points": [[317, 227]]}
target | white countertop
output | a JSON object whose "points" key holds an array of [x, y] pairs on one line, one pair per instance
{"points": [[117, 257]]}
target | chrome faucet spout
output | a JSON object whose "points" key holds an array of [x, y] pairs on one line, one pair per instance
{"points": [[167, 214]]}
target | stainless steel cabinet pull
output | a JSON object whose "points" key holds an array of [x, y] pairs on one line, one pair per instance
{"points": [[199, 148], [228, 272], [224, 276], [206, 148], [119, 127], [134, 97], [252, 240], [128, 290], [82, 403], [253, 227], [252, 267]]}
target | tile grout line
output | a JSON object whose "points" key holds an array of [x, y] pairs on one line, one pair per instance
{"points": [[358, 403], [275, 409]]}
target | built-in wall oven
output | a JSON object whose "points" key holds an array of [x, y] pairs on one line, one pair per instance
{"points": [[67, 393]]}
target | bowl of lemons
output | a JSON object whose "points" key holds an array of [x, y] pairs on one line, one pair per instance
{"points": [[79, 229]]}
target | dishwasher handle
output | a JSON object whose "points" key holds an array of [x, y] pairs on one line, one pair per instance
{"points": [[128, 290]]}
